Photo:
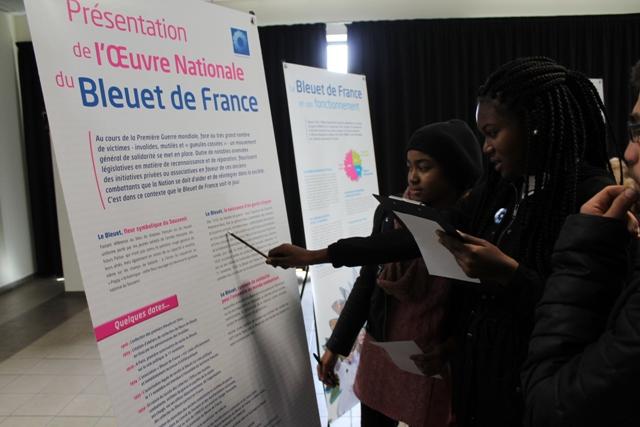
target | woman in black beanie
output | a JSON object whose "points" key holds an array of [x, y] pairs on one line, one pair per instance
{"points": [[401, 301], [455, 148], [545, 139]]}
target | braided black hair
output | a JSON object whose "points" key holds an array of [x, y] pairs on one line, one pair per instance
{"points": [[561, 114]]}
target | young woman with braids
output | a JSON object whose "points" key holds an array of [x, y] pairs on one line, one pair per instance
{"points": [[545, 139]]}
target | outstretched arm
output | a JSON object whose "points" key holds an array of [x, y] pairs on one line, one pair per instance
{"points": [[396, 245]]}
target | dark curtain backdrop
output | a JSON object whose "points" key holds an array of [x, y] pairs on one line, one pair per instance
{"points": [[44, 218], [298, 44], [422, 71]]}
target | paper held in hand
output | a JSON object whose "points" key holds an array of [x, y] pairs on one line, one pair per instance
{"points": [[437, 258], [423, 222], [400, 353]]}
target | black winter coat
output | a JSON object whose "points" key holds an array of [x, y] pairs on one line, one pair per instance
{"points": [[583, 367]]}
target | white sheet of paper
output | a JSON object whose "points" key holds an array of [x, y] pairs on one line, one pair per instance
{"points": [[439, 261], [400, 353]]}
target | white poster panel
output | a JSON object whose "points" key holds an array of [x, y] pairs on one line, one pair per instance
{"points": [[162, 132], [336, 170]]}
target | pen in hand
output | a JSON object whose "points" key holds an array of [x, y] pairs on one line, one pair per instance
{"points": [[332, 380]]}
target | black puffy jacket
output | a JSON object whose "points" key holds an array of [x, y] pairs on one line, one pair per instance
{"points": [[583, 367]]}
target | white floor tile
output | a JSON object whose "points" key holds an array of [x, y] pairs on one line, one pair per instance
{"points": [[67, 367], [55, 338], [44, 404], [86, 338], [343, 421], [78, 348], [10, 402], [6, 380], [83, 367], [87, 405], [28, 384], [107, 422], [25, 422], [72, 351], [31, 352], [73, 422], [355, 411], [18, 365], [91, 351], [49, 367], [68, 384], [97, 386]]}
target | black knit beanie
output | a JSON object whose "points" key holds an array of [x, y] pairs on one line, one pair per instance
{"points": [[454, 146]]}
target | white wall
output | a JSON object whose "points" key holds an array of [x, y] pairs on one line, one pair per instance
{"points": [[300, 11], [274, 12], [72, 278], [16, 258], [21, 28]]}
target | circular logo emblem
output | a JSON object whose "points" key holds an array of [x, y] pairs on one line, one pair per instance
{"points": [[499, 216]]}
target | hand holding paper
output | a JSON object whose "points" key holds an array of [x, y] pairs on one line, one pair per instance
{"points": [[439, 260], [401, 353], [431, 362], [479, 259]]}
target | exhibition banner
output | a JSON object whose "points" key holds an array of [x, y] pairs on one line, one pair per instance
{"points": [[336, 171], [161, 128]]}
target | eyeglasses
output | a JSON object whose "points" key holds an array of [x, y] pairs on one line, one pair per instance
{"points": [[634, 132]]}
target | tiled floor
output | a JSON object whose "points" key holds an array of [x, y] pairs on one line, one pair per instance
{"points": [[49, 360], [49, 378], [29, 311]]}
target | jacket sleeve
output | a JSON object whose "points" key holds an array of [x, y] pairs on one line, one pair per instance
{"points": [[526, 288], [355, 311], [390, 246], [578, 373], [395, 245]]}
